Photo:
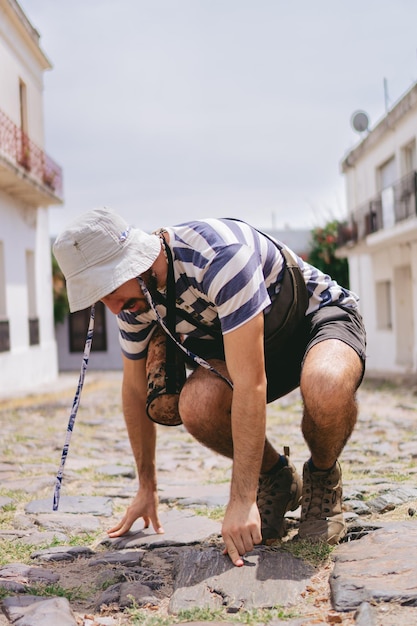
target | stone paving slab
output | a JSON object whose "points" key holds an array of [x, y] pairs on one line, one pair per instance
{"points": [[57, 520], [380, 567], [38, 611], [44, 537], [268, 578], [194, 494], [385, 615], [181, 528], [61, 553], [94, 505], [29, 485], [126, 471], [17, 576]]}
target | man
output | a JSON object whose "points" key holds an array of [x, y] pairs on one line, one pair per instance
{"points": [[232, 280]]}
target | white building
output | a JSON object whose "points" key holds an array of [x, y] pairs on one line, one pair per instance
{"points": [[381, 238], [29, 182], [71, 334]]}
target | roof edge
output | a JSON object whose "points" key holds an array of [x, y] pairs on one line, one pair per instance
{"points": [[16, 14], [404, 104]]}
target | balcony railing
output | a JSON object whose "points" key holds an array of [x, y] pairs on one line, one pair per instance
{"points": [[391, 206], [16, 146], [405, 197]]}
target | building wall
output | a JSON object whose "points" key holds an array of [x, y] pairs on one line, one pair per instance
{"points": [[25, 272], [20, 57], [390, 320], [379, 269], [111, 359], [25, 229], [383, 265]]}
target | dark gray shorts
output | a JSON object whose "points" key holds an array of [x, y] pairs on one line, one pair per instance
{"points": [[336, 322], [283, 366], [330, 322]]}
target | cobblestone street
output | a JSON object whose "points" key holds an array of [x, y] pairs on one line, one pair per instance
{"points": [[379, 467]]}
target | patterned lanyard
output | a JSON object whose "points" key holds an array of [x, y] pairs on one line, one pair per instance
{"points": [[74, 410], [197, 359]]}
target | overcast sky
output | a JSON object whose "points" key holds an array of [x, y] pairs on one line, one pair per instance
{"points": [[169, 110]]}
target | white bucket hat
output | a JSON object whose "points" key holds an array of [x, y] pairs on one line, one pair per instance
{"points": [[98, 252]]}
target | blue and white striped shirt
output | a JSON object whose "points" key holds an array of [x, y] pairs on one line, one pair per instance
{"points": [[226, 272]]}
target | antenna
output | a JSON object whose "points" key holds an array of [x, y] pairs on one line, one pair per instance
{"points": [[360, 121], [386, 95]]}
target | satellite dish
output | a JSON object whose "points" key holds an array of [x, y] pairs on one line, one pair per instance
{"points": [[360, 121]]}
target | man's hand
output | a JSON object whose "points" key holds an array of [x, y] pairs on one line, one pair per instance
{"points": [[241, 530], [144, 504], [245, 363], [142, 437]]}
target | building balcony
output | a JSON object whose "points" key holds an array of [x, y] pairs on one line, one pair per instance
{"points": [[393, 205], [26, 171]]}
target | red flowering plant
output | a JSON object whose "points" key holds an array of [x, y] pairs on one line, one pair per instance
{"points": [[323, 253]]}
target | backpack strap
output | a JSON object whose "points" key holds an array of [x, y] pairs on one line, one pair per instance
{"points": [[291, 303]]}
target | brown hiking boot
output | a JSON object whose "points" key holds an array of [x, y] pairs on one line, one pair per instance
{"points": [[321, 506], [278, 493]]}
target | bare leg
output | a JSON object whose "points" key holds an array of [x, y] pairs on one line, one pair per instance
{"points": [[329, 380], [205, 406], [330, 377]]}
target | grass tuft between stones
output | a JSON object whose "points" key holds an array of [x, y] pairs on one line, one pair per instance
{"points": [[314, 553], [19, 551], [215, 513], [54, 590], [253, 617]]}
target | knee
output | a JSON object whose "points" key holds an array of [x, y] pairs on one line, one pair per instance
{"points": [[331, 368], [204, 400], [195, 404], [328, 397], [320, 388]]}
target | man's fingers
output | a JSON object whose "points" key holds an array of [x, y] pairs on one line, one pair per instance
{"points": [[235, 548], [119, 531], [238, 545], [125, 525], [234, 556], [117, 527], [121, 528], [157, 526], [257, 536]]}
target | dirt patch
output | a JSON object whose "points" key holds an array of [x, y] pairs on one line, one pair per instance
{"points": [[85, 583]]}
